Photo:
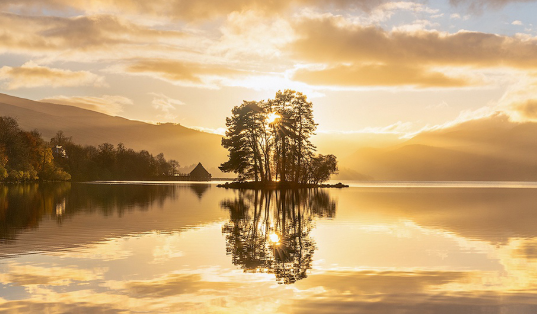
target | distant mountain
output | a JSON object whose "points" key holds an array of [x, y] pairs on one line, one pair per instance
{"points": [[493, 148], [88, 127], [487, 149]]}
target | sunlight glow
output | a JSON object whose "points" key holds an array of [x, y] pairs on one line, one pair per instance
{"points": [[274, 238], [272, 117]]}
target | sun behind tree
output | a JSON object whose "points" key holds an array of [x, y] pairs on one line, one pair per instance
{"points": [[270, 141], [272, 117]]}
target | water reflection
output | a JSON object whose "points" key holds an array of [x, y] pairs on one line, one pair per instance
{"points": [[117, 248], [269, 231], [49, 216], [493, 215], [199, 189], [24, 206]]}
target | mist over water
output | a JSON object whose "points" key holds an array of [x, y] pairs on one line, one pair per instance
{"points": [[179, 247]]}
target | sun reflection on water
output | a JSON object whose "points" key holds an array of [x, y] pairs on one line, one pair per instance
{"points": [[394, 258]]}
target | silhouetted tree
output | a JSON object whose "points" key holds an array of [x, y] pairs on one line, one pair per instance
{"points": [[60, 139], [270, 139], [321, 167], [243, 136]]}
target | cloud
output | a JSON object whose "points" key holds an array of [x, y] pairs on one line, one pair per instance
{"points": [[478, 6], [107, 104], [397, 128], [180, 72], [80, 36], [517, 22], [165, 104], [350, 54], [415, 26], [219, 131], [387, 10], [333, 39], [32, 75], [248, 33], [528, 108], [518, 100], [208, 9], [379, 75], [485, 113], [181, 9]]}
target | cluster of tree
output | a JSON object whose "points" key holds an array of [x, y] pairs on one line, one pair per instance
{"points": [[109, 162], [270, 141], [25, 156]]}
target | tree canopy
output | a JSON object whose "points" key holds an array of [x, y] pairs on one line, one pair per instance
{"points": [[270, 141], [26, 156]]}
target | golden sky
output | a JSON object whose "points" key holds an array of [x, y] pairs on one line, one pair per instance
{"points": [[369, 66]]}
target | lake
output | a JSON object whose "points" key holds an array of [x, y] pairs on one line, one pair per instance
{"points": [[396, 247]]}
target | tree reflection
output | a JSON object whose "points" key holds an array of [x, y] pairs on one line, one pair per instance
{"points": [[23, 206], [269, 231]]}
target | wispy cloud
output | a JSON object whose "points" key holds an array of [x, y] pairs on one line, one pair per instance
{"points": [[180, 9], [478, 6], [483, 113], [528, 108], [166, 105], [31, 75], [179, 72], [380, 75], [82, 38]]}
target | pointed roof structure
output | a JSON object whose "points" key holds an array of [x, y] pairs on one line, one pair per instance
{"points": [[200, 173]]}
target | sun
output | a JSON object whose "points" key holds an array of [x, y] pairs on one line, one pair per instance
{"points": [[274, 238], [272, 117]]}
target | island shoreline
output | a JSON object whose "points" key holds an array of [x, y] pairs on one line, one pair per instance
{"points": [[277, 185]]}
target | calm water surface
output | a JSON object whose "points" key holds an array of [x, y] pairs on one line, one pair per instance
{"points": [[180, 248]]}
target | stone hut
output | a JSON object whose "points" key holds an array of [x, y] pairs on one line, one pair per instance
{"points": [[199, 174]]}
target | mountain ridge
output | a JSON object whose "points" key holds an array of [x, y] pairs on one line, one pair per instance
{"points": [[87, 127], [493, 148]]}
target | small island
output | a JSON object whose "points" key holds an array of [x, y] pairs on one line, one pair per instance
{"points": [[270, 148]]}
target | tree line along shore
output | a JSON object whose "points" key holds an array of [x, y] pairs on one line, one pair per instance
{"points": [[268, 142], [26, 156]]}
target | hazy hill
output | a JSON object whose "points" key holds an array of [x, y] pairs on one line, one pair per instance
{"points": [[488, 149], [494, 136], [88, 127]]}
